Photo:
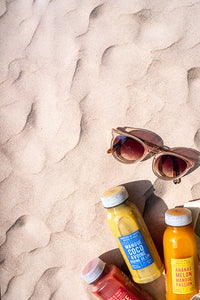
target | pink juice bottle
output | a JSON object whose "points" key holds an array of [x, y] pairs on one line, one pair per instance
{"points": [[110, 283]]}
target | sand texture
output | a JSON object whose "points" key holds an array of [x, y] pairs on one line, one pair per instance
{"points": [[69, 72]]}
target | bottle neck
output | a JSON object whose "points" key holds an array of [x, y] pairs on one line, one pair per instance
{"points": [[186, 227], [104, 273]]}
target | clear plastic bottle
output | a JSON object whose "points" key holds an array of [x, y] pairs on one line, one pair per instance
{"points": [[132, 236], [110, 283], [180, 255]]}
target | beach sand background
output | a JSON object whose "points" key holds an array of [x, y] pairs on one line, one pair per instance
{"points": [[69, 72]]}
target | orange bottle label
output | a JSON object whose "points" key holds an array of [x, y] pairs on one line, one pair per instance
{"points": [[183, 281]]}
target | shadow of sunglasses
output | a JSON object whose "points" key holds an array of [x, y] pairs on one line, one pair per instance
{"points": [[130, 145]]}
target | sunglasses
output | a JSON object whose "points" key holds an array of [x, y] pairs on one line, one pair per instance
{"points": [[131, 145]]}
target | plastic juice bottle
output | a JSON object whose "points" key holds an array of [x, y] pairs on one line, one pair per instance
{"points": [[132, 236], [109, 282], [180, 255]]}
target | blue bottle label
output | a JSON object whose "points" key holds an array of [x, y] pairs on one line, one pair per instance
{"points": [[136, 250]]}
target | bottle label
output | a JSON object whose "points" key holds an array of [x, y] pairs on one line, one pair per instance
{"points": [[136, 250], [121, 294], [183, 281]]}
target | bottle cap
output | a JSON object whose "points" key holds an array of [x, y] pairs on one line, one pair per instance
{"points": [[178, 217], [114, 196], [93, 270]]}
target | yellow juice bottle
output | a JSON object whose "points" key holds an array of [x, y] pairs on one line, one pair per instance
{"points": [[180, 255], [132, 236]]}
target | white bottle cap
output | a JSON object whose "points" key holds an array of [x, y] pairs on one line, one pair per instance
{"points": [[178, 217], [114, 196], [93, 270]]}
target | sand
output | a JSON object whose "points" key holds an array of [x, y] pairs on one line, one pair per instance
{"points": [[71, 71]]}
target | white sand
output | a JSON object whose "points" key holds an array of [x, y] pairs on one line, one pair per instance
{"points": [[70, 71]]}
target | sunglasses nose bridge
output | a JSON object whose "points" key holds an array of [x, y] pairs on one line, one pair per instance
{"points": [[153, 151], [155, 148]]}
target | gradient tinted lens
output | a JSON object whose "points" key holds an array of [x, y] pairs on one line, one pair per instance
{"points": [[127, 148], [170, 166]]}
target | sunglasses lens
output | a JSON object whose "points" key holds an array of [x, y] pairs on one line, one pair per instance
{"points": [[127, 149], [170, 166]]}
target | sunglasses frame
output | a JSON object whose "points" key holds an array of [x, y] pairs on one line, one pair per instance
{"points": [[151, 149]]}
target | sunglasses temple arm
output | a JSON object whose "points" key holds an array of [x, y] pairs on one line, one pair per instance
{"points": [[115, 147]]}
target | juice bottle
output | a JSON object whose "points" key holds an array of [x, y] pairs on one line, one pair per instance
{"points": [[109, 282], [180, 255], [132, 236]]}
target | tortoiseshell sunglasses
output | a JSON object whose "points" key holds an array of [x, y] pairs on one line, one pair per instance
{"points": [[131, 145]]}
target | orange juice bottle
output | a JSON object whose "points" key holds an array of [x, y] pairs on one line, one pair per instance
{"points": [[180, 255], [132, 236]]}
